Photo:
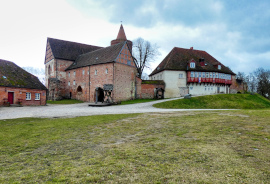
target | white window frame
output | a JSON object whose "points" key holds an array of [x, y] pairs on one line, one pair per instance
{"points": [[217, 75], [191, 74], [28, 96], [219, 67], [37, 96], [181, 76], [210, 74], [207, 74], [203, 74], [200, 74], [192, 65], [196, 74]]}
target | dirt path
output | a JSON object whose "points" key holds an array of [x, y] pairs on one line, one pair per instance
{"points": [[82, 109]]}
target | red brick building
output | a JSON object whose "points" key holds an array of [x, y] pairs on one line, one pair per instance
{"points": [[80, 71], [17, 86]]}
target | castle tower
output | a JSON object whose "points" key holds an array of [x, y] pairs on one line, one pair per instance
{"points": [[122, 37]]}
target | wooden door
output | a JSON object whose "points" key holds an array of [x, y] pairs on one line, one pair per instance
{"points": [[11, 97]]}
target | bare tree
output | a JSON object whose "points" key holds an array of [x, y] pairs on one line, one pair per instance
{"points": [[263, 78], [251, 82], [143, 53]]}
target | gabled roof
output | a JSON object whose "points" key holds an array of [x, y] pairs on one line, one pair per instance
{"points": [[100, 56], [179, 58], [67, 50], [12, 75]]}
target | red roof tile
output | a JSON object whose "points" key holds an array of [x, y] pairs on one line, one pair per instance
{"points": [[178, 59]]}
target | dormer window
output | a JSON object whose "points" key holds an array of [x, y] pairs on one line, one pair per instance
{"points": [[192, 65], [219, 67]]}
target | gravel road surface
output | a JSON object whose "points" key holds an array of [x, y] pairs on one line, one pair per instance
{"points": [[82, 109]]}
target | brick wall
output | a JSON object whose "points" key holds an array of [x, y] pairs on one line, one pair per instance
{"points": [[124, 82], [20, 93], [148, 90], [237, 86]]}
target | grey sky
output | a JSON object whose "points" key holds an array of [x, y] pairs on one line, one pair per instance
{"points": [[234, 32]]}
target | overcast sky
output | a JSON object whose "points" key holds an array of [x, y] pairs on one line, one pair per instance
{"points": [[235, 32]]}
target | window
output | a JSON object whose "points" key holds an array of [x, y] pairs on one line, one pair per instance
{"points": [[95, 72], [192, 65], [74, 73], [129, 62], [181, 76], [49, 70], [196, 74], [74, 82], [203, 74], [83, 72], [219, 67], [68, 74], [200, 74], [230, 77], [88, 72], [219, 75], [69, 83], [192, 74], [106, 71], [28, 96], [216, 75], [37, 96], [207, 74], [210, 74]]}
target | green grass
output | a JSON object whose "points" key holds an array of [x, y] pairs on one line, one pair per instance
{"points": [[179, 147], [221, 101], [66, 101], [136, 101]]}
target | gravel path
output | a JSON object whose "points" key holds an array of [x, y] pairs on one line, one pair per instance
{"points": [[82, 109]]}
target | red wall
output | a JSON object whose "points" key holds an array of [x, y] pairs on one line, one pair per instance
{"points": [[20, 93]]}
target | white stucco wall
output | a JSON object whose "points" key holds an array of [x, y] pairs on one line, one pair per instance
{"points": [[172, 82], [176, 87]]}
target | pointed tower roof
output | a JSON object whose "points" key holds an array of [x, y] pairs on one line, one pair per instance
{"points": [[121, 37], [121, 34]]}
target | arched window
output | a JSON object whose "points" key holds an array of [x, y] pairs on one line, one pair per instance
{"points": [[79, 89]]}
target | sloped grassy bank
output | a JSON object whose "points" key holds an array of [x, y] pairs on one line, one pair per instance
{"points": [[221, 101]]}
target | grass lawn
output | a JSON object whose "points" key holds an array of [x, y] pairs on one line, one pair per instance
{"points": [[179, 147], [221, 101], [66, 101], [137, 101]]}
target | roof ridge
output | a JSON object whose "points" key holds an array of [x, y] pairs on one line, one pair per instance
{"points": [[48, 38]]}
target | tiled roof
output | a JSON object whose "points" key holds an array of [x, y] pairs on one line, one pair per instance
{"points": [[100, 56], [179, 58], [121, 34], [12, 75], [67, 50]]}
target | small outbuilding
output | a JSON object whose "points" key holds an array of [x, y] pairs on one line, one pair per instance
{"points": [[17, 86]]}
